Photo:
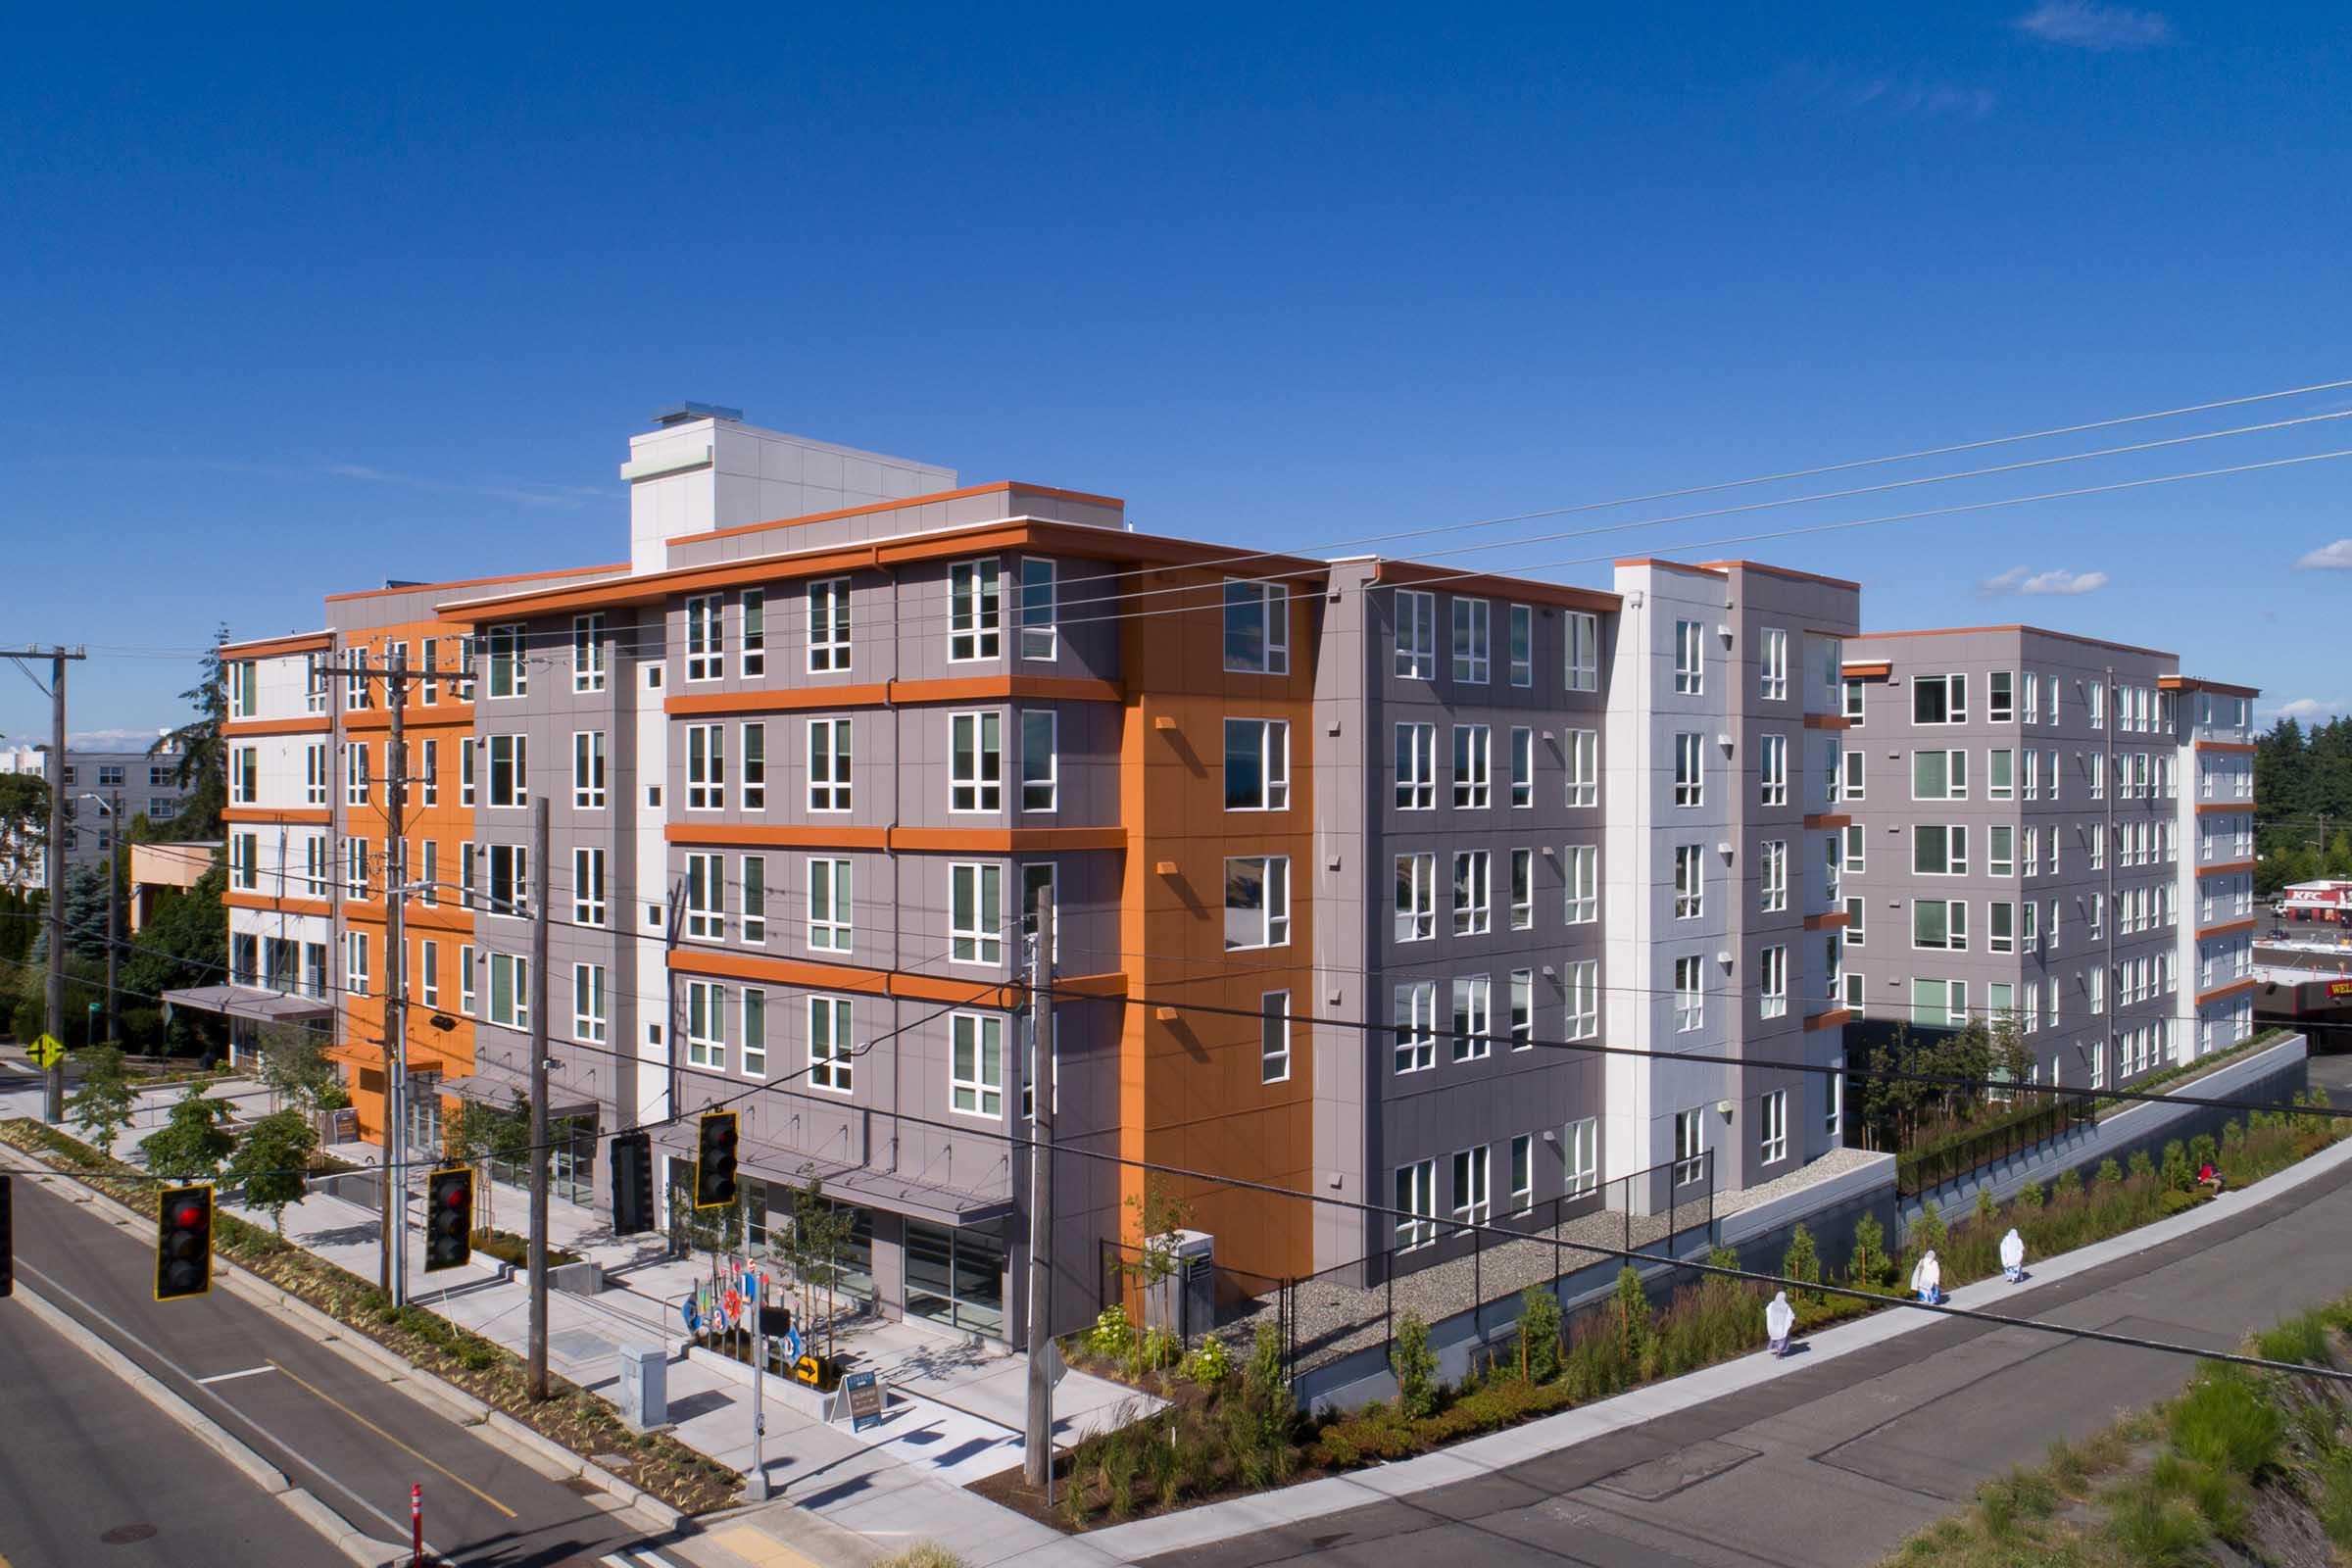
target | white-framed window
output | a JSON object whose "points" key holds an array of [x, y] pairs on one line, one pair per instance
{"points": [[1772, 987], [706, 1024], [1581, 983], [1939, 775], [2030, 787], [1939, 698], [1415, 1026], [751, 881], [752, 788], [428, 974], [975, 611], [1690, 1001], [706, 637], [1416, 768], [2001, 697], [510, 772], [1274, 1037], [509, 667], [754, 602], [1689, 658], [1830, 861], [1772, 1127], [2051, 760], [1416, 897], [2000, 927], [1472, 766], [1040, 760], [1258, 900], [314, 773], [976, 912], [1855, 702], [1689, 770], [830, 1045], [1941, 924], [1523, 1174], [588, 885], [1523, 890], [1938, 1003], [429, 771], [1039, 610], [1584, 767], [466, 862], [318, 874], [1416, 634], [354, 869], [1472, 640], [2032, 710], [1258, 628], [1523, 767], [1772, 665], [1416, 1205], [1772, 775], [508, 873], [1582, 1172], [1689, 1147], [1856, 847], [587, 770], [588, 1015], [1832, 654], [1690, 881], [466, 747], [1473, 892], [1856, 905], [1257, 765], [1473, 1199], [1939, 850], [1580, 876], [828, 765], [1473, 1018], [828, 625], [2000, 851], [754, 1032], [705, 896], [975, 761], [976, 1064], [465, 991], [588, 657], [1521, 636], [355, 977], [830, 924], [1581, 637], [2095, 694], [244, 694], [244, 860], [510, 990], [1772, 876], [1522, 1002], [355, 773], [706, 767]]}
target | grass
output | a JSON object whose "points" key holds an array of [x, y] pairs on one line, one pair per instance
{"points": [[922, 1555]]}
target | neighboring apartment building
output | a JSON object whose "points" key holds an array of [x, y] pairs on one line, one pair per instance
{"points": [[2055, 829], [148, 785], [1347, 858]]}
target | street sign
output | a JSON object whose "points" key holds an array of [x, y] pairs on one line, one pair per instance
{"points": [[864, 1396], [806, 1370], [47, 1051], [1055, 1367]]}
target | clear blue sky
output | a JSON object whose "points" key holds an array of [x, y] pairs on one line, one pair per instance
{"points": [[296, 306]]}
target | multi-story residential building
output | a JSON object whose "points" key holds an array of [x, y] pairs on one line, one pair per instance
{"points": [[2022, 845], [149, 787], [1346, 859]]}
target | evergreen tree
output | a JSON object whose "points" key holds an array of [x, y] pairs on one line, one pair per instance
{"points": [[202, 763]]}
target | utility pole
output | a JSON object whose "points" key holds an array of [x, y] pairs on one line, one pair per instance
{"points": [[754, 1479], [396, 1010], [53, 1104], [117, 868], [1038, 1447], [538, 1237]]}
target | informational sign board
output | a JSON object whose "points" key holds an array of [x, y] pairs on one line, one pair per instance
{"points": [[864, 1396]]}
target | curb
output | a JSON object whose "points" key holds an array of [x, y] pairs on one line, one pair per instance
{"points": [[542, 1454], [354, 1544]]}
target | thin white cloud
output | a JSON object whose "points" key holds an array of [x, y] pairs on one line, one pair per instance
{"points": [[2306, 709], [1924, 100], [2057, 581], [521, 493], [2336, 556], [109, 740], [2102, 29]]}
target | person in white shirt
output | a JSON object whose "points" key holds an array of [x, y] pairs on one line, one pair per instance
{"points": [[1927, 1278], [2013, 1257], [1779, 1320]]}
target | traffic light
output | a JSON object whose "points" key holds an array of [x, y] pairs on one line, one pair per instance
{"points": [[632, 1183], [8, 1237], [183, 1241], [714, 1164], [449, 1218]]}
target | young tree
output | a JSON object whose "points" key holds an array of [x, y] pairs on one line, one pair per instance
{"points": [[202, 763], [1158, 1215], [818, 1238], [271, 1163], [193, 1142], [101, 1108], [297, 1070], [482, 1133]]}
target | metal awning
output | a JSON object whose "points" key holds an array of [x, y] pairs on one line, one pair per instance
{"points": [[252, 1002], [897, 1193]]}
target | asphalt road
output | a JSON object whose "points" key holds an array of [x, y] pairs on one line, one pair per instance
{"points": [[91, 1472], [352, 1440], [1832, 1466]]}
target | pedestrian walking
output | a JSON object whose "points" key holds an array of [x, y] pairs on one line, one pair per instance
{"points": [[1927, 1278], [1779, 1320], [2013, 1257]]}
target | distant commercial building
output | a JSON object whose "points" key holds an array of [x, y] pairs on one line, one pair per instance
{"points": [[149, 787]]}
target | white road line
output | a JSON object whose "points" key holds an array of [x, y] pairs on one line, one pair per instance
{"points": [[638, 1557], [226, 1377]]}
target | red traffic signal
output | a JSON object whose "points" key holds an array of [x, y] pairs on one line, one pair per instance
{"points": [[714, 1165], [449, 1218], [183, 1241]]}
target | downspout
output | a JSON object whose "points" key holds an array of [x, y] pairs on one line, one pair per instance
{"points": [[890, 835]]}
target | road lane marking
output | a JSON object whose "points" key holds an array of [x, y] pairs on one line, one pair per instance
{"points": [[421, 1458], [230, 1377]]}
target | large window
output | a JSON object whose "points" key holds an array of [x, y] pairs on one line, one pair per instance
{"points": [[1582, 632], [1258, 900], [1473, 892], [588, 1018], [1773, 983], [1772, 1127], [1581, 982], [509, 670], [975, 611], [1772, 771], [706, 767], [1689, 658], [828, 765], [1415, 1023], [1416, 897], [1939, 775], [705, 896], [510, 771], [1417, 636], [976, 1067], [753, 787], [1274, 1037], [2000, 702], [706, 1024], [1939, 923], [976, 912], [588, 769], [829, 919], [706, 637], [829, 1044], [829, 625], [587, 652], [1416, 768], [1472, 640], [1416, 1205], [587, 886], [1689, 1002], [1690, 881], [1940, 699], [1257, 632], [1039, 609], [1472, 766], [1040, 760], [1522, 634], [1473, 1018], [1584, 767], [1689, 770], [1581, 874], [755, 636], [975, 761], [510, 875], [1939, 851], [1473, 1200], [1772, 665], [510, 990], [1257, 765]]}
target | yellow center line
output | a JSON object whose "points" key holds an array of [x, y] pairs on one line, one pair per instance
{"points": [[395, 1441]]}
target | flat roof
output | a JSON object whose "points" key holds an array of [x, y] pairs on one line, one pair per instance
{"points": [[474, 583], [2038, 631], [930, 498]]}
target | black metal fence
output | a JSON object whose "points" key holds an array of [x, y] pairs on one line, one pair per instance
{"points": [[1955, 1159]]}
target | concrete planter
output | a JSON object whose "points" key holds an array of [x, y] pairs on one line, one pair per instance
{"points": [[795, 1395]]}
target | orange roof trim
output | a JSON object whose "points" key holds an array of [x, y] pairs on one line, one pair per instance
{"points": [[300, 642], [475, 582]]}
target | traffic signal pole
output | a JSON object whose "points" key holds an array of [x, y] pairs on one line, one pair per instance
{"points": [[1038, 1446], [396, 1011], [538, 1232]]}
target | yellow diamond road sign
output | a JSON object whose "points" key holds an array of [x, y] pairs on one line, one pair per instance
{"points": [[47, 1051]]}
